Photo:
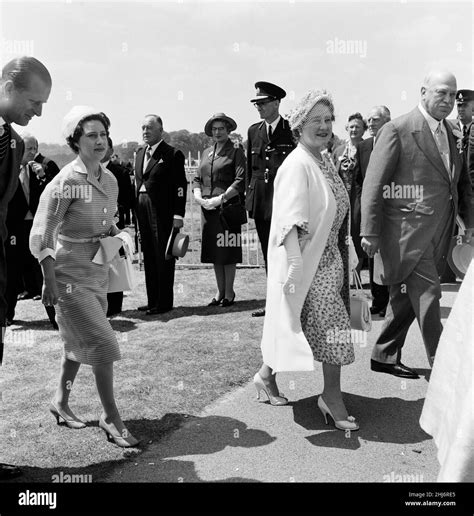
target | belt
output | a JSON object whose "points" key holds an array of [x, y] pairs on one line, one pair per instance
{"points": [[142, 191], [81, 240]]}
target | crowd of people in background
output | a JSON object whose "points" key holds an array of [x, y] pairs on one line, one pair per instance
{"points": [[307, 193]]}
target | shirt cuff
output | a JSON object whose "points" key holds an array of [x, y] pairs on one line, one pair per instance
{"points": [[46, 252], [178, 217]]}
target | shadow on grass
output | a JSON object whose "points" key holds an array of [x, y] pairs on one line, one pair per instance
{"points": [[197, 436], [390, 420], [202, 311]]}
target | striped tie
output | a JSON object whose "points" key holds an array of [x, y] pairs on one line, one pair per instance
{"points": [[4, 140]]}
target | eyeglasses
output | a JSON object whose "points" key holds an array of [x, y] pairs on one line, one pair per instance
{"points": [[262, 102]]}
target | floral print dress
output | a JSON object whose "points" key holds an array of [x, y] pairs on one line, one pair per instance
{"points": [[324, 317]]}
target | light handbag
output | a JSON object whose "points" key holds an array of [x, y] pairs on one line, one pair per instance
{"points": [[360, 312], [121, 273]]}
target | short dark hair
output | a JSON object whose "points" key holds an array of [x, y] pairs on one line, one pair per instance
{"points": [[73, 141], [21, 69], [358, 116]]}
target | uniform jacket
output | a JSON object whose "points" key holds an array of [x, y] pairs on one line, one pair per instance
{"points": [[165, 180], [264, 156], [406, 155]]}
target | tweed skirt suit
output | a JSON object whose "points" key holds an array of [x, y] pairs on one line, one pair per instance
{"points": [[75, 210]]}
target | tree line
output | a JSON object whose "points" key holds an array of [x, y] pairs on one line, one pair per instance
{"points": [[183, 140]]}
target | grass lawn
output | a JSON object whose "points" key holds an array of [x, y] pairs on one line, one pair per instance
{"points": [[172, 366]]}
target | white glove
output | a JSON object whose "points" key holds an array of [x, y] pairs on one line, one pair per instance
{"points": [[198, 196], [295, 262]]}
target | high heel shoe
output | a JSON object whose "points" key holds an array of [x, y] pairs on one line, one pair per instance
{"points": [[71, 422], [228, 302], [260, 386], [119, 440], [343, 424], [215, 302]]}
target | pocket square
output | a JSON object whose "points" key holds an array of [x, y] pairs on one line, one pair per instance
{"points": [[161, 161]]}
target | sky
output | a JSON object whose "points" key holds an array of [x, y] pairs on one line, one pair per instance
{"points": [[186, 60]]}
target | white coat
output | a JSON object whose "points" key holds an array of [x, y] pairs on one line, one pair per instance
{"points": [[302, 197]]}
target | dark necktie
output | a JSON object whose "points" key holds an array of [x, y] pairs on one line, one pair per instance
{"points": [[464, 131], [4, 140], [270, 132]]}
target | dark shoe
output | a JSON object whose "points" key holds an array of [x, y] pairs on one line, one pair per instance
{"points": [[396, 369], [382, 313], [156, 311], [227, 302], [9, 322], [55, 326], [8, 471], [143, 308], [259, 313], [36, 298], [115, 312], [215, 302], [24, 295]]}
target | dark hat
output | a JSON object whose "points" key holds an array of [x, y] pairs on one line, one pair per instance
{"points": [[177, 245], [267, 90], [219, 116], [464, 96]]}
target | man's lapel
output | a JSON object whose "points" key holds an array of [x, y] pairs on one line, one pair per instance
{"points": [[455, 155], [155, 158], [425, 141]]}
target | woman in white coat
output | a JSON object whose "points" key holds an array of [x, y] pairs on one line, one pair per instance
{"points": [[307, 309]]}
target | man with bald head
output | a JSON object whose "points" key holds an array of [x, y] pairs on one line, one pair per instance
{"points": [[416, 183]]}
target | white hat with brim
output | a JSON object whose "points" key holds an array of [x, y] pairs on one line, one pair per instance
{"points": [[72, 119], [177, 246], [460, 255]]}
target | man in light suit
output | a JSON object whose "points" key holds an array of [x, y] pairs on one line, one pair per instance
{"points": [[161, 189], [378, 117], [25, 86], [416, 184]]}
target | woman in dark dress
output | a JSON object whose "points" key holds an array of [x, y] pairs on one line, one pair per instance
{"points": [[220, 180]]}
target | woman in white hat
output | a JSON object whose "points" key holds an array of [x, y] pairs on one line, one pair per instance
{"points": [[220, 180], [76, 210], [307, 308]]}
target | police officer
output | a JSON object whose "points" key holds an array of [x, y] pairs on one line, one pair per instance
{"points": [[268, 144], [463, 126]]}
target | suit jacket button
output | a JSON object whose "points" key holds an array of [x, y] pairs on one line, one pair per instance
{"points": [[105, 210]]}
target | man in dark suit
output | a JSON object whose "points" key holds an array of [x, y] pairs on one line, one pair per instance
{"points": [[378, 116], [268, 144], [161, 188], [416, 183], [24, 271], [124, 205], [25, 86]]}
